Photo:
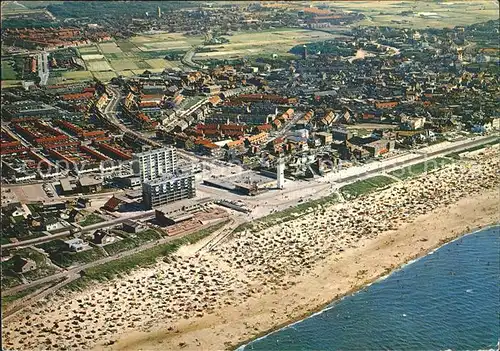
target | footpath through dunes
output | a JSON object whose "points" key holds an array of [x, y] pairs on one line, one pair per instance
{"points": [[261, 279]]}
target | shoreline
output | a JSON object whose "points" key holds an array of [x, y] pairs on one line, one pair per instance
{"points": [[319, 309], [263, 280], [466, 216]]}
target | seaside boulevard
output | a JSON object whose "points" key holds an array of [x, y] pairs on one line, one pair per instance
{"points": [[268, 273]]}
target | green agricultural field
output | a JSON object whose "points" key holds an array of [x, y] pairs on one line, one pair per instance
{"points": [[127, 46], [77, 75], [365, 186], [125, 73], [167, 38], [423, 14], [163, 42], [90, 219], [148, 55], [110, 48], [104, 76], [161, 63], [122, 65], [116, 56], [253, 43], [142, 65], [98, 66], [84, 50], [419, 168]]}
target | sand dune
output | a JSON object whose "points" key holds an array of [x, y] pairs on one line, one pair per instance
{"points": [[261, 279]]}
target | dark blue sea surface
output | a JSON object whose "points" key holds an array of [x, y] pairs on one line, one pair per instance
{"points": [[449, 299]]}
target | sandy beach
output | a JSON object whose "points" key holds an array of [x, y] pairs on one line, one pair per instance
{"points": [[262, 279]]}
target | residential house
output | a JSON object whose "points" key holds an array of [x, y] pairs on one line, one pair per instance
{"points": [[132, 226], [50, 224], [23, 265]]}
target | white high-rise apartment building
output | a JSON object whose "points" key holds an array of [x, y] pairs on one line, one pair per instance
{"points": [[155, 164]]}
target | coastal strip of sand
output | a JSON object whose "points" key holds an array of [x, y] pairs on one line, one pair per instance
{"points": [[261, 279], [335, 277]]}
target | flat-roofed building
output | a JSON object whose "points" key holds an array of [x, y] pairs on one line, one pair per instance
{"points": [[154, 164], [90, 184], [172, 187]]}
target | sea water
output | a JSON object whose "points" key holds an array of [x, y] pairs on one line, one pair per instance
{"points": [[449, 299]]}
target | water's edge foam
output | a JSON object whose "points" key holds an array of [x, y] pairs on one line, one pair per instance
{"points": [[330, 305]]}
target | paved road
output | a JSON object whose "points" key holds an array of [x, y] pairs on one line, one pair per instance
{"points": [[43, 67], [303, 191], [187, 59]]}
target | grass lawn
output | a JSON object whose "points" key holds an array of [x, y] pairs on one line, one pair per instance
{"points": [[144, 258], [8, 72], [365, 186], [91, 219], [66, 259], [131, 241], [456, 155], [4, 240], [419, 168], [18, 219]]}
